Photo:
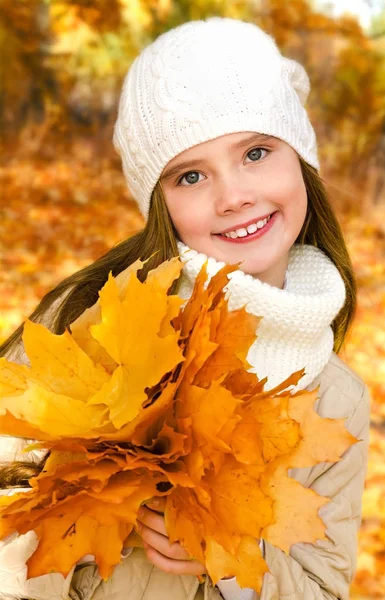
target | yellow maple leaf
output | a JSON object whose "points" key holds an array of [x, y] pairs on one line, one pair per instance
{"points": [[135, 345], [144, 398], [246, 561]]}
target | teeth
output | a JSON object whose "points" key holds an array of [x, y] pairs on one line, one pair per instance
{"points": [[242, 232], [252, 228]]}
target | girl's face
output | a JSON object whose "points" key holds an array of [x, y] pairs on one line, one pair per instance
{"points": [[239, 198]]}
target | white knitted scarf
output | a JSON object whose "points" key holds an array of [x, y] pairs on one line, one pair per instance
{"points": [[295, 330]]}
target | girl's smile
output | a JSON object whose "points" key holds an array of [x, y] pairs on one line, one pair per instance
{"points": [[247, 232], [243, 200]]}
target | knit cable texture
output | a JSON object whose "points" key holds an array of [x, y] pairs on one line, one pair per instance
{"points": [[202, 80]]}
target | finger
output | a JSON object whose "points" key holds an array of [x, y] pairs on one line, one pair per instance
{"points": [[177, 567], [162, 544], [152, 519]]}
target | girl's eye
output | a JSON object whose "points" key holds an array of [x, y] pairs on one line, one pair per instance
{"points": [[255, 154], [190, 178]]}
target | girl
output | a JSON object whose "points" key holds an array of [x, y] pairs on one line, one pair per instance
{"points": [[220, 155]]}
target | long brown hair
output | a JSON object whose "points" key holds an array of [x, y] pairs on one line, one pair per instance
{"points": [[322, 229], [156, 243]]}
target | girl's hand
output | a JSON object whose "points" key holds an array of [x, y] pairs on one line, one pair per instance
{"points": [[170, 558]]}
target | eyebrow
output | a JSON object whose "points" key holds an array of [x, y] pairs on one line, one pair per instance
{"points": [[256, 137]]}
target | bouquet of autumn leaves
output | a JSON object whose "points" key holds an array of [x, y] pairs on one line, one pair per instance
{"points": [[147, 398]]}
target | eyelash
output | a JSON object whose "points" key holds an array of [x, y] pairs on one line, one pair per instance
{"points": [[248, 152]]}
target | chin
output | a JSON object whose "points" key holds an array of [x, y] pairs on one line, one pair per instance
{"points": [[266, 273], [252, 270]]}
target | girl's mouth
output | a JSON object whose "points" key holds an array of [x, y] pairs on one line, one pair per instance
{"points": [[250, 233]]}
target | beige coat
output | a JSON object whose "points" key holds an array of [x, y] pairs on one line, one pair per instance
{"points": [[311, 572]]}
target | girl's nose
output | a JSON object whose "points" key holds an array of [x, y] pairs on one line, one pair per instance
{"points": [[232, 195]]}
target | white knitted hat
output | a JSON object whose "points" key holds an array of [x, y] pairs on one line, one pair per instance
{"points": [[202, 80]]}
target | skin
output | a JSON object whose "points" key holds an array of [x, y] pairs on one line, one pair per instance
{"points": [[170, 558], [232, 180], [235, 182]]}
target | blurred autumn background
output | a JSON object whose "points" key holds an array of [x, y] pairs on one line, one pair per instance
{"points": [[63, 197]]}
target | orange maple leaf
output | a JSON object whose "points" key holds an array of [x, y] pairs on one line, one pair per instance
{"points": [[145, 398]]}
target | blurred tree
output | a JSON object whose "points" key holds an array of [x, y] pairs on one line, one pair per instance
{"points": [[346, 69], [25, 78], [63, 62], [377, 159], [377, 29], [66, 58]]}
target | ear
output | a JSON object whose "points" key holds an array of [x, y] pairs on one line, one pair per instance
{"points": [[298, 78]]}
